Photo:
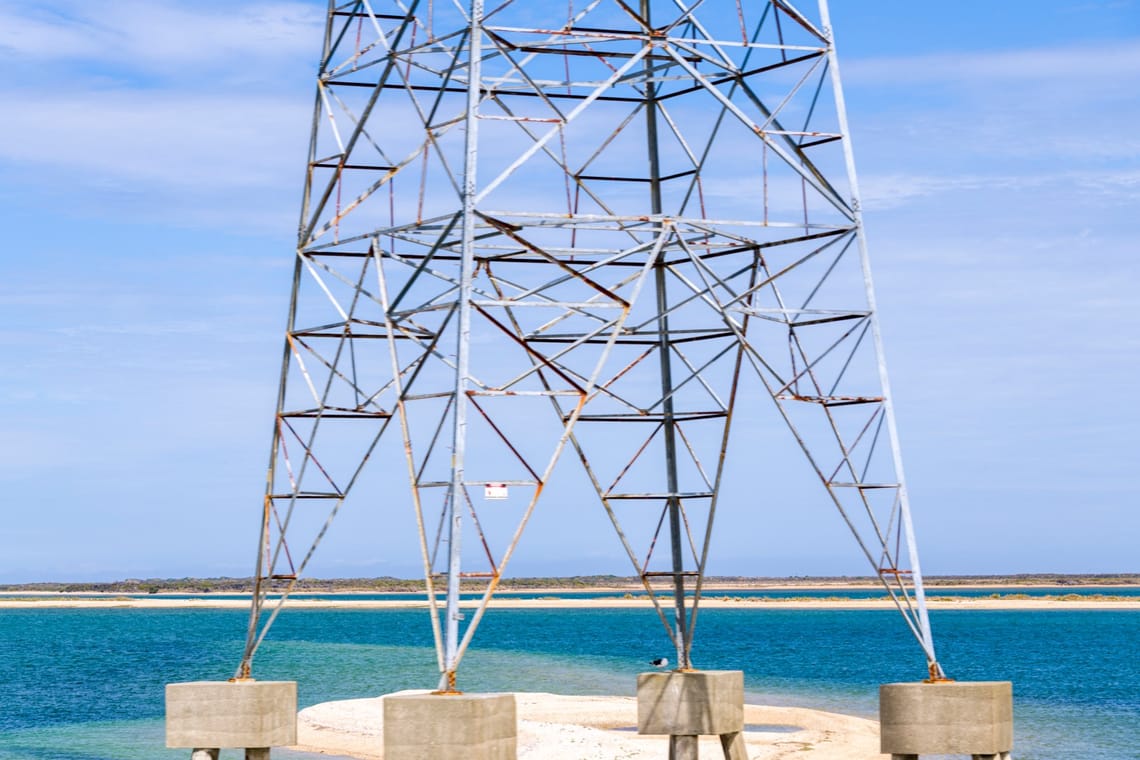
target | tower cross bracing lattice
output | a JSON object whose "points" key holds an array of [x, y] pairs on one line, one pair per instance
{"points": [[529, 229]]}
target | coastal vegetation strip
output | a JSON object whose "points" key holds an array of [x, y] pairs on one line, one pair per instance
{"points": [[383, 585]]}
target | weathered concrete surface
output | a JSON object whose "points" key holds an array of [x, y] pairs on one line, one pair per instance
{"points": [[733, 746], [947, 718], [692, 703], [450, 727], [241, 714], [684, 748]]}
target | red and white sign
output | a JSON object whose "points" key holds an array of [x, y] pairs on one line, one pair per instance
{"points": [[495, 491]]}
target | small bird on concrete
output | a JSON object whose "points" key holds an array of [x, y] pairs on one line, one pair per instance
{"points": [[660, 662]]}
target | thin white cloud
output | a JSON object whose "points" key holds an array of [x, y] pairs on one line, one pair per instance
{"points": [[890, 191], [883, 192], [191, 113], [1000, 110], [171, 138], [1084, 64], [1112, 183], [159, 34], [140, 329]]}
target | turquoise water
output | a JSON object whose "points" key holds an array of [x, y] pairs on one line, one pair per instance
{"points": [[88, 684]]}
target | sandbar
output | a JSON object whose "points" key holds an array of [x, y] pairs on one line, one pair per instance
{"points": [[331, 601], [603, 728]]}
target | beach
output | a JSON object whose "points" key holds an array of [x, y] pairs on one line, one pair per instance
{"points": [[603, 728], [942, 601]]}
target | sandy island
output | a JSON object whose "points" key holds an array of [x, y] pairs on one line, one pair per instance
{"points": [[603, 728], [714, 600]]}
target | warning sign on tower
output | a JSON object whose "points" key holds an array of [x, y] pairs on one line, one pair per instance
{"points": [[495, 491]]}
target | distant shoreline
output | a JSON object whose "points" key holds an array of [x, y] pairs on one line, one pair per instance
{"points": [[574, 584], [718, 593], [714, 600], [708, 589]]}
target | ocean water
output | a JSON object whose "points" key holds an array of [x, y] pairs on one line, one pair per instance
{"points": [[88, 684]]}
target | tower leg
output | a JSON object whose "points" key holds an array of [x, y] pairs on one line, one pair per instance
{"points": [[257, 753], [904, 757]]}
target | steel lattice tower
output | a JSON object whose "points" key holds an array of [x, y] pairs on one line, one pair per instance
{"points": [[528, 228]]}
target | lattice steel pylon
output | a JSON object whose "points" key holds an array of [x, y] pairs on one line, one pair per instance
{"points": [[529, 227]]}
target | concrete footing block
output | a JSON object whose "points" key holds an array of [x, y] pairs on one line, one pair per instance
{"points": [[690, 703], [946, 718], [450, 727], [254, 715], [686, 705]]}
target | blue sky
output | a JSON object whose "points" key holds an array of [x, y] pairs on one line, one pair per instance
{"points": [[151, 157]]}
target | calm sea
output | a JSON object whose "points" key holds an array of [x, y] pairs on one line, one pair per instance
{"points": [[88, 684]]}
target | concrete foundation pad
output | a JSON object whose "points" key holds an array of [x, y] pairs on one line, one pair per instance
{"points": [[946, 718], [228, 714], [691, 703], [450, 727]]}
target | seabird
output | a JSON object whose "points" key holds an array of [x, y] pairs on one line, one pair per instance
{"points": [[660, 662]]}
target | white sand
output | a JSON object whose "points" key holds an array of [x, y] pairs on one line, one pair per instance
{"points": [[331, 601], [603, 728]]}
